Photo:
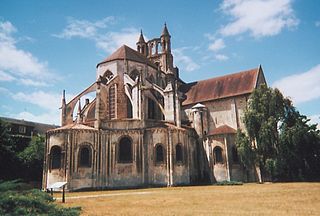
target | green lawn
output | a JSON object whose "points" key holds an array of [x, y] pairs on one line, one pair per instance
{"points": [[248, 199]]}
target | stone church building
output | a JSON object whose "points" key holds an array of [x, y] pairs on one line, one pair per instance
{"points": [[147, 127]]}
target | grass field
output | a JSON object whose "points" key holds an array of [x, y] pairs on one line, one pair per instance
{"points": [[248, 199]]}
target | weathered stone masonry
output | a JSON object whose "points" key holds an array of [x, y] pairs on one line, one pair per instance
{"points": [[146, 127]]}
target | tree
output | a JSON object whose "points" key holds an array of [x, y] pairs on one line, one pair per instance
{"points": [[266, 109], [32, 157], [299, 149], [8, 159], [245, 151], [17, 161], [284, 145]]}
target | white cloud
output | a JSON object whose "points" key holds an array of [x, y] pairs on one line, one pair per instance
{"points": [[4, 91], [315, 119], [47, 118], [19, 64], [317, 23], [183, 60], [217, 45], [6, 28], [258, 17], [96, 31], [301, 87], [5, 76], [83, 28], [31, 82], [221, 57], [113, 40], [48, 101]]}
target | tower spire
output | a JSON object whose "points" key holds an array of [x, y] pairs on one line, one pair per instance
{"points": [[141, 38], [142, 45], [63, 108], [165, 31]]}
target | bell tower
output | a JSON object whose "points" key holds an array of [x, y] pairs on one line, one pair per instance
{"points": [[166, 57], [158, 50]]}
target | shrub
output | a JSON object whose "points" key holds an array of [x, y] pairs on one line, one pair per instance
{"points": [[17, 199], [229, 183]]}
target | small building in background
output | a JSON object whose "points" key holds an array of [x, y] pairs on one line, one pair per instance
{"points": [[22, 130]]}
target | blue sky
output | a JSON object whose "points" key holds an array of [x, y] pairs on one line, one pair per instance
{"points": [[48, 46]]}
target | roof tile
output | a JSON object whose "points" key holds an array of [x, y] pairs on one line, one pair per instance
{"points": [[220, 87], [224, 129], [125, 52]]}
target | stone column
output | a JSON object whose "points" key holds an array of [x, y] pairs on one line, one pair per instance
{"points": [[169, 103]]}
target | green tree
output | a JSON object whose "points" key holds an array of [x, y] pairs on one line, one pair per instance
{"points": [[299, 149], [8, 159], [32, 158], [283, 143], [34, 152], [245, 151], [19, 162], [266, 109]]}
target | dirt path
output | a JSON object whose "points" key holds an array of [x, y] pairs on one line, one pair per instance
{"points": [[107, 195]]}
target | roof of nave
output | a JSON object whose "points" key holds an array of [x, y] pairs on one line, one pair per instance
{"points": [[125, 52], [221, 87], [224, 129]]}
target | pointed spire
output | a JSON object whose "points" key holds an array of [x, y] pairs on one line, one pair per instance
{"points": [[165, 31], [79, 107], [64, 97], [79, 120], [141, 38], [63, 108]]}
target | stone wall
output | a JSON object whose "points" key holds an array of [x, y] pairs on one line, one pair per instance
{"points": [[106, 171]]}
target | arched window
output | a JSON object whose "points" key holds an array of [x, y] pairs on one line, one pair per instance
{"points": [[134, 74], [163, 84], [218, 155], [129, 108], [85, 156], [125, 150], [108, 75], [151, 78], [179, 156], [55, 157], [151, 109], [112, 102], [159, 154], [235, 156]]}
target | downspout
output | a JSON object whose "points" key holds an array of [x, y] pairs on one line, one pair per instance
{"points": [[170, 159]]}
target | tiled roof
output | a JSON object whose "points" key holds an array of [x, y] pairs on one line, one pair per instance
{"points": [[127, 53], [220, 87], [74, 126], [224, 129]]}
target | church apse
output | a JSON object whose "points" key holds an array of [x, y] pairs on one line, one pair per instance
{"points": [[146, 127]]}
